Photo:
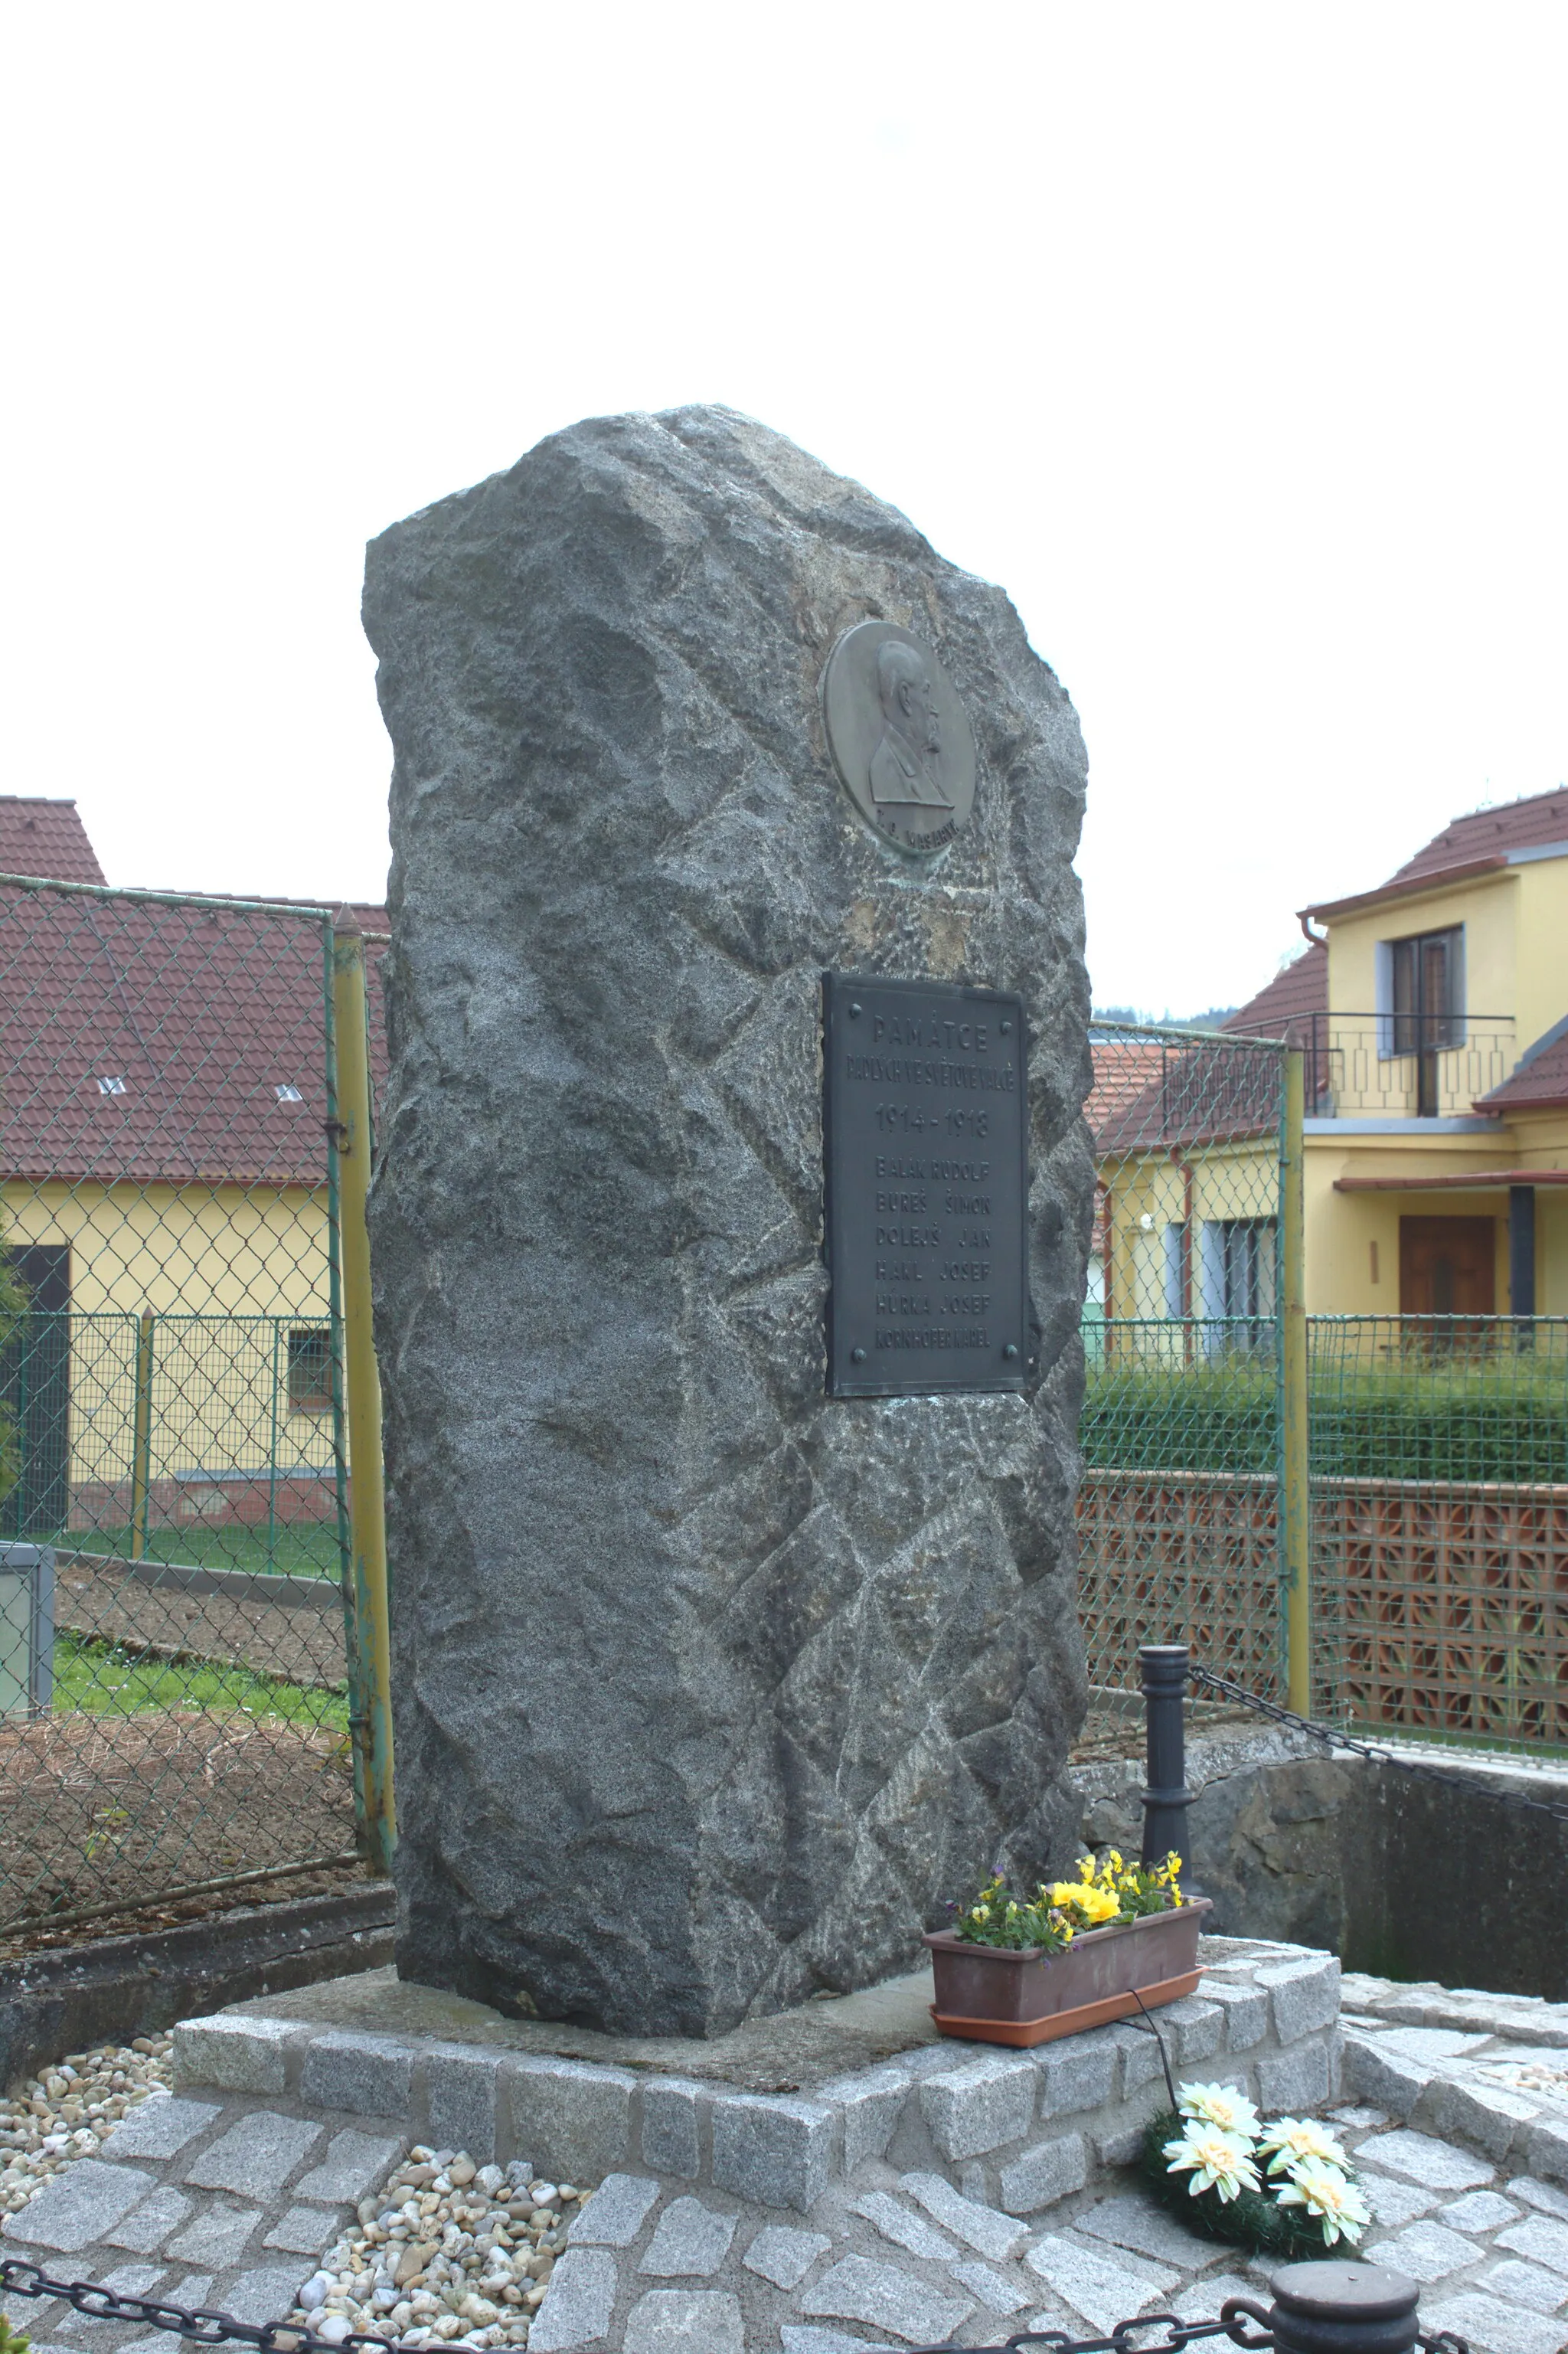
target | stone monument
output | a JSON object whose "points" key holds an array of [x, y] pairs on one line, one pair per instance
{"points": [[731, 1459]]}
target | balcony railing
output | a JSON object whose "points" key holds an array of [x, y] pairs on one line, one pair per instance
{"points": [[1402, 1065]]}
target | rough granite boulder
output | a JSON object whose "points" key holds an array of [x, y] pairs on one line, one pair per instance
{"points": [[710, 1689]]}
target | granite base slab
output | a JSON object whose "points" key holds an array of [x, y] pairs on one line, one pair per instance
{"points": [[781, 2107]]}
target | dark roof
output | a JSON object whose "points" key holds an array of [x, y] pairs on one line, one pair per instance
{"points": [[200, 1011], [1277, 1011], [1539, 1078], [44, 838], [1476, 844]]}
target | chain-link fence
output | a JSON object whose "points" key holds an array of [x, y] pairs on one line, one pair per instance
{"points": [[1439, 1520], [1178, 1521], [174, 1647], [1436, 1459], [173, 1530]]}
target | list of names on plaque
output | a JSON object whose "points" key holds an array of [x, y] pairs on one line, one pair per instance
{"points": [[925, 1124]]}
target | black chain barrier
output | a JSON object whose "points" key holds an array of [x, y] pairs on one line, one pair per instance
{"points": [[201, 2326], [207, 2328], [1339, 1740], [204, 2327]]}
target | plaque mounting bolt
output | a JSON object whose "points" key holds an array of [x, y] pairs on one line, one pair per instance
{"points": [[855, 1012], [1006, 1029], [857, 1356], [1010, 1349]]}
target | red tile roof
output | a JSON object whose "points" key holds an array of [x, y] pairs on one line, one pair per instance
{"points": [[197, 1013], [1540, 1078], [1194, 1091], [1476, 844], [1277, 1010], [46, 838], [1123, 1070], [1491, 832]]}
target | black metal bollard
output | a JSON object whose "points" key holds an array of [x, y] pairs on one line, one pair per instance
{"points": [[1334, 2308], [1167, 1798]]}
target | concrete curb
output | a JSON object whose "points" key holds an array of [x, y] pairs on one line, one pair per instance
{"points": [[323, 1594], [67, 1999]]}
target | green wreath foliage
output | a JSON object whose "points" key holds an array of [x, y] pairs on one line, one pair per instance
{"points": [[1248, 2220]]}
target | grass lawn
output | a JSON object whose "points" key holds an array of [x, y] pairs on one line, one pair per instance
{"points": [[303, 1549], [101, 1678]]}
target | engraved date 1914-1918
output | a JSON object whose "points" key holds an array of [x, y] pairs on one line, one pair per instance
{"points": [[916, 1117]]}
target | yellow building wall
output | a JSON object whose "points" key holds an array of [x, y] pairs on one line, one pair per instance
{"points": [[1210, 1184], [1540, 1139], [1352, 1260], [1516, 974], [1552, 1251], [1344, 1276], [1367, 1080], [1487, 908], [228, 1271], [203, 1249], [1515, 924], [1541, 967], [1340, 1229]]}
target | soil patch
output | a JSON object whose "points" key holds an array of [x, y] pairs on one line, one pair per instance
{"points": [[300, 1642], [105, 1808]]}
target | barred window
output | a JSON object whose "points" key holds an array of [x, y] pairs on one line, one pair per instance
{"points": [[310, 1369]]}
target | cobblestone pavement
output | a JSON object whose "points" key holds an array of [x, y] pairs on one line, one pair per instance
{"points": [[1491, 2069], [267, 2206], [233, 2204]]}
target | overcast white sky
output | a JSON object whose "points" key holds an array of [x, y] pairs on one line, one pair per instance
{"points": [[1230, 339]]}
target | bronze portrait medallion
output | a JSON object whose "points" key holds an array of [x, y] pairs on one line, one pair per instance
{"points": [[900, 738]]}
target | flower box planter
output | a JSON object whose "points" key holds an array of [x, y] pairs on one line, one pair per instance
{"points": [[988, 1994]]}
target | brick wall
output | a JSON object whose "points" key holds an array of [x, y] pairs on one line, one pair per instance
{"points": [[1439, 1605]]}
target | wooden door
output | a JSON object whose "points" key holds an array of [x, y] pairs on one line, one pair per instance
{"points": [[1448, 1267]]}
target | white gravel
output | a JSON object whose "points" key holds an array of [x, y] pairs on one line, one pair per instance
{"points": [[448, 2254], [68, 2111]]}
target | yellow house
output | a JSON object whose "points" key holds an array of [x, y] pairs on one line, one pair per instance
{"points": [[1433, 1016], [164, 1185]]}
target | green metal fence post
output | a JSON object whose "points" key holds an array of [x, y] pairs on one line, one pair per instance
{"points": [[273, 1439], [142, 1438], [1293, 1489]]}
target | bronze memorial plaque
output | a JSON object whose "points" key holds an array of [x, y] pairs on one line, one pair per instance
{"points": [[926, 1170], [900, 738]]}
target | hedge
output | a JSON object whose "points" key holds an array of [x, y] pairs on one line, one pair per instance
{"points": [[1502, 1419]]}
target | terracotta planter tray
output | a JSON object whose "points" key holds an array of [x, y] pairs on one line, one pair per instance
{"points": [[1004, 1994], [1021, 2033]]}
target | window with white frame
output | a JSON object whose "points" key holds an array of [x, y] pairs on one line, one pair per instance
{"points": [[1175, 1268], [1240, 1281]]}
